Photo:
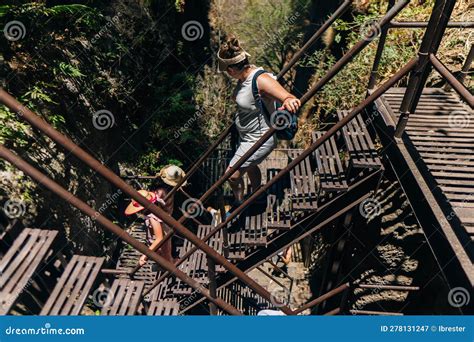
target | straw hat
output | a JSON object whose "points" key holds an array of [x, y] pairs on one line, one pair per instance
{"points": [[172, 175], [134, 207]]}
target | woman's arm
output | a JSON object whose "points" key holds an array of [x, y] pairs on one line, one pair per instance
{"points": [[158, 231], [270, 87]]}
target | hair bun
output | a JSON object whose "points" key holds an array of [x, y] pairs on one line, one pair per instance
{"points": [[230, 47]]}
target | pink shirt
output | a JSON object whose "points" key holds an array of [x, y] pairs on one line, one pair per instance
{"points": [[167, 206]]}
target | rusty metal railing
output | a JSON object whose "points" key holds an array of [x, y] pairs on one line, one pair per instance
{"points": [[357, 48], [339, 11], [201, 244]]}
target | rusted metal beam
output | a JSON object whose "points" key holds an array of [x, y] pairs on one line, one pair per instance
{"points": [[86, 209], [358, 47], [296, 57], [37, 122], [431, 40], [379, 52], [467, 65], [375, 313], [388, 287], [424, 24], [322, 298], [370, 99], [457, 86]]}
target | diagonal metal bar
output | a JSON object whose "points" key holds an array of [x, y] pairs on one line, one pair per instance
{"points": [[37, 122], [296, 57], [86, 209], [357, 48], [457, 86], [357, 110]]}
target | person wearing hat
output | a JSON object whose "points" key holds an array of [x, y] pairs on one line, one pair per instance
{"points": [[169, 177], [251, 123]]}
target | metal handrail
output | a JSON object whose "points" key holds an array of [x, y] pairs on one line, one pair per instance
{"points": [[37, 122], [357, 48], [339, 11], [41, 178]]}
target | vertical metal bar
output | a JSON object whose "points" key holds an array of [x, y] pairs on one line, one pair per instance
{"points": [[86, 209], [436, 27], [211, 273], [467, 65], [379, 52]]}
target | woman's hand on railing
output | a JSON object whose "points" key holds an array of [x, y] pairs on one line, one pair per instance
{"points": [[291, 104]]}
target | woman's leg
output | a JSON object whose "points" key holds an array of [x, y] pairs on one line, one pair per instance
{"points": [[165, 251], [255, 177], [237, 185]]}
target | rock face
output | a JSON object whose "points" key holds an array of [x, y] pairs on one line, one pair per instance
{"points": [[388, 248], [112, 77]]}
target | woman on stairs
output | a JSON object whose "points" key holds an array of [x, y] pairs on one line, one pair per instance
{"points": [[251, 123], [156, 229]]}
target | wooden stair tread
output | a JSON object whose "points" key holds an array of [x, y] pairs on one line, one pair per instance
{"points": [[303, 184], [125, 299], [165, 307], [331, 173], [362, 153], [73, 287], [20, 263]]}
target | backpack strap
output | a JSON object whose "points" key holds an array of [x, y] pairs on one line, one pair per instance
{"points": [[256, 95]]}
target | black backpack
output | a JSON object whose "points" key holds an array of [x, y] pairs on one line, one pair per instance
{"points": [[285, 122]]}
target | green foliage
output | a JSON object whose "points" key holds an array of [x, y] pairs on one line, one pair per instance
{"points": [[69, 70], [12, 131]]}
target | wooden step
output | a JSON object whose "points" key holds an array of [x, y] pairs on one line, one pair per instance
{"points": [[8, 234], [279, 202], [255, 232], [23, 259], [125, 299], [73, 287], [362, 153], [165, 307], [303, 186], [332, 176], [242, 298]]}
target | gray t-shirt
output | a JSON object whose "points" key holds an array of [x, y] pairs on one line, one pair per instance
{"points": [[250, 122]]}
